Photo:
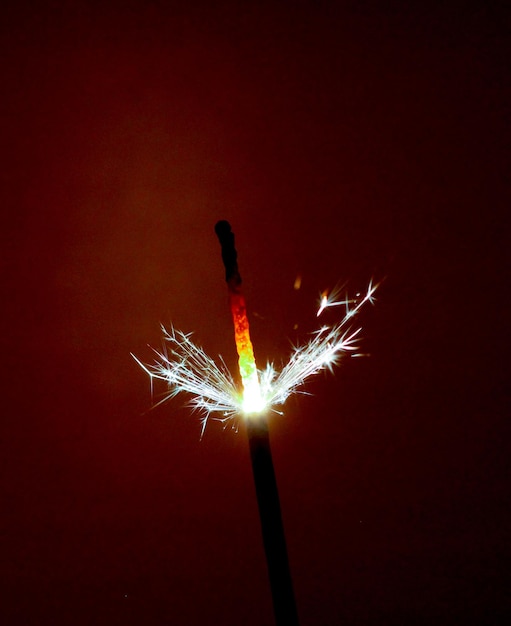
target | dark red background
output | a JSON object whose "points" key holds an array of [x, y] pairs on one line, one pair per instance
{"points": [[342, 141]]}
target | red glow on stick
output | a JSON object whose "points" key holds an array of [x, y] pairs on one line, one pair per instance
{"points": [[252, 400]]}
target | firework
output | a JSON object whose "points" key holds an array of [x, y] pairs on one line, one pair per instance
{"points": [[186, 368]]}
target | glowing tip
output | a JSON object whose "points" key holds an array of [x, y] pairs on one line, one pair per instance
{"points": [[253, 403]]}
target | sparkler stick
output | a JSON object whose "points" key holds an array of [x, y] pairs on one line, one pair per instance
{"points": [[274, 540], [186, 368]]}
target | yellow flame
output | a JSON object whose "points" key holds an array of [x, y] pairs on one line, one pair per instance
{"points": [[252, 399]]}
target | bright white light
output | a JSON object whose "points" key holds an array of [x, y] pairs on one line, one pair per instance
{"points": [[252, 401]]}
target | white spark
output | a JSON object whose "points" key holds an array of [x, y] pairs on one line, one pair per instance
{"points": [[185, 367]]}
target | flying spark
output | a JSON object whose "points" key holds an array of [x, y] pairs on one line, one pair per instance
{"points": [[186, 368]]}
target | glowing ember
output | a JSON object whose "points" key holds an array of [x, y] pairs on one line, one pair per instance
{"points": [[252, 400]]}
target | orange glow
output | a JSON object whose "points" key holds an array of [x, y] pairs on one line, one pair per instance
{"points": [[252, 400]]}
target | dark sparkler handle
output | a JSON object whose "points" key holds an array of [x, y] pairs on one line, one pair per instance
{"points": [[229, 255], [284, 604]]}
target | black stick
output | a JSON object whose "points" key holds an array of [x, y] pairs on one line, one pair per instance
{"points": [[284, 604]]}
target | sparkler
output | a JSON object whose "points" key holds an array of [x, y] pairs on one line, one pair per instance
{"points": [[185, 367], [274, 540]]}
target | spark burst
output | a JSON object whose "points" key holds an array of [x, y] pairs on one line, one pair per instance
{"points": [[186, 368]]}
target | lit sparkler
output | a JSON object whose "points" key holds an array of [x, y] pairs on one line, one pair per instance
{"points": [[185, 367]]}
